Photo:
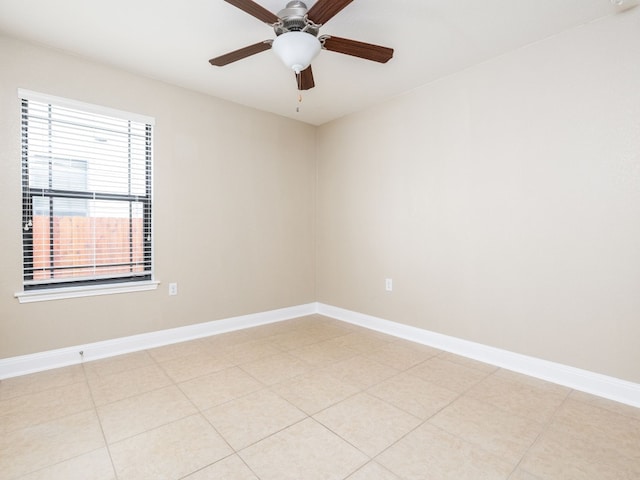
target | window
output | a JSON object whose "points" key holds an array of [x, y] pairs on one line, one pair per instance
{"points": [[86, 201]]}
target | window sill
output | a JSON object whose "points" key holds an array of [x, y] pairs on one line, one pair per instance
{"points": [[84, 291]]}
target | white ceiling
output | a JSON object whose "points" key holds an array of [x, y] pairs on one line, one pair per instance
{"points": [[173, 40]]}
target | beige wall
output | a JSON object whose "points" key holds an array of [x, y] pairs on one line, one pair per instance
{"points": [[504, 201], [233, 209]]}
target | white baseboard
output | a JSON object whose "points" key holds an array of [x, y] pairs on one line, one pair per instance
{"points": [[37, 362], [601, 385], [594, 383]]}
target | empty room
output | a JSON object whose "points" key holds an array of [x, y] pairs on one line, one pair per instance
{"points": [[320, 240]]}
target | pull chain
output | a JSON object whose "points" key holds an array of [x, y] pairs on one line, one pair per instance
{"points": [[299, 79]]}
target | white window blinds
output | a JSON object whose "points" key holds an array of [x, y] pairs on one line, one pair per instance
{"points": [[86, 182]]}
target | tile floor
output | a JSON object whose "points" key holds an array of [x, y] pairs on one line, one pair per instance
{"points": [[311, 398]]}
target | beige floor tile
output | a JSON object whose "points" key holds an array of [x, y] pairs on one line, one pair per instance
{"points": [[449, 375], [402, 354], [531, 398], [601, 426], [429, 453], [315, 391], [221, 341], [316, 323], [323, 331], [33, 448], [176, 350], [298, 322], [373, 471], [230, 468], [367, 422], [615, 407], [468, 362], [29, 410], [362, 341], [323, 353], [143, 412], [366, 386], [250, 351], [293, 339], [531, 381], [360, 329], [118, 386], [195, 365], [496, 431], [220, 387], [306, 450], [559, 454], [520, 474], [413, 395], [169, 452], [119, 363], [271, 329], [276, 368], [361, 371], [247, 420], [95, 465], [37, 382], [262, 332], [216, 344]]}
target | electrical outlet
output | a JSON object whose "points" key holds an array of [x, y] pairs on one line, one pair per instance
{"points": [[173, 289], [388, 284]]}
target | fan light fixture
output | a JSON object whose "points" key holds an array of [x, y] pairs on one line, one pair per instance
{"points": [[296, 49], [298, 38]]}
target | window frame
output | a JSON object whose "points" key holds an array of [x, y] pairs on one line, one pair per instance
{"points": [[98, 284]]}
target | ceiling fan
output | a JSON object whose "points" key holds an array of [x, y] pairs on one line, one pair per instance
{"points": [[297, 41]]}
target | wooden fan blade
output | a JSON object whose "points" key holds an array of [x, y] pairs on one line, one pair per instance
{"points": [[252, 8], [358, 49], [323, 10], [241, 53], [304, 79]]}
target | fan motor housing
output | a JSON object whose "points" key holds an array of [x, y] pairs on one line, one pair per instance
{"points": [[293, 18]]}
